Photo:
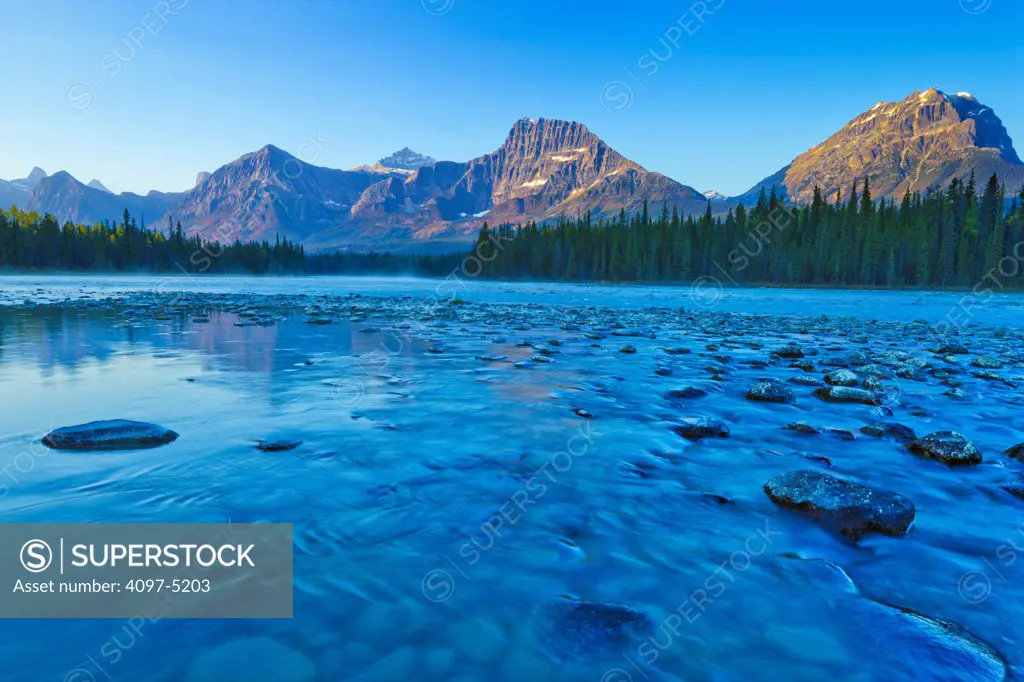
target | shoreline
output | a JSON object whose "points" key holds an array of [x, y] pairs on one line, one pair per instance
{"points": [[680, 284]]}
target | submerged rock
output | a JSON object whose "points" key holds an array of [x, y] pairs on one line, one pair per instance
{"points": [[1016, 452], [803, 427], [873, 384], [846, 394], [771, 392], [898, 432], [941, 649], [803, 380], [694, 428], [952, 348], [685, 392], [581, 628], [116, 434], [987, 362], [790, 350], [278, 445], [949, 447], [255, 658], [851, 508]]}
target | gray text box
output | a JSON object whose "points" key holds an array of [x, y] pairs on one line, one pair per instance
{"points": [[95, 570]]}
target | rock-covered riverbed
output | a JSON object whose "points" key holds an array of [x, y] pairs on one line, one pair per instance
{"points": [[507, 491]]}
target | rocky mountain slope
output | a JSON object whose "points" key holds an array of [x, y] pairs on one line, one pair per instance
{"points": [[927, 139], [68, 199], [270, 192], [544, 168]]}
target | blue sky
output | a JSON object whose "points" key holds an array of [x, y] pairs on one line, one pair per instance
{"points": [[144, 94]]}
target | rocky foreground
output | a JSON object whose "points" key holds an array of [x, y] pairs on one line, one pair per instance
{"points": [[707, 380]]}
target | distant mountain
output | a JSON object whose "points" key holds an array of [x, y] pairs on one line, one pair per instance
{"points": [[12, 195], [96, 184], [35, 176], [201, 177], [404, 162], [15, 192], [268, 193], [715, 195], [545, 168], [927, 139], [68, 199]]}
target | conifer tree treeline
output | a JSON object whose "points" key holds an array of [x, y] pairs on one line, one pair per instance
{"points": [[30, 241], [947, 237]]}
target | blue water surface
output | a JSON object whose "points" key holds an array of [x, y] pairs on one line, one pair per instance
{"points": [[469, 468]]}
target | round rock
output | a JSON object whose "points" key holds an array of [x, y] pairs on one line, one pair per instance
{"points": [[841, 377], [949, 447], [116, 434], [771, 392], [851, 508]]}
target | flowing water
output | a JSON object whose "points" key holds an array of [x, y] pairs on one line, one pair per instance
{"points": [[471, 467]]}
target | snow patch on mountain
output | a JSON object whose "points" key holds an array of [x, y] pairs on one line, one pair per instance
{"points": [[715, 195]]}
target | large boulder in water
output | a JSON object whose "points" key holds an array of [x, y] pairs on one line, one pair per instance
{"points": [[949, 447], [116, 434], [885, 636], [940, 649], [845, 394], [841, 377], [771, 392], [851, 508]]}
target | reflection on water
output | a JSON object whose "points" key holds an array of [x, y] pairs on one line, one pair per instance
{"points": [[445, 499]]}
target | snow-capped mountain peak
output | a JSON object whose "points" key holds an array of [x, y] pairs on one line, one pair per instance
{"points": [[715, 195], [405, 161]]}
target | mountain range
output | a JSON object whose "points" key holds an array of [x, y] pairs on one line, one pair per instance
{"points": [[545, 168]]}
